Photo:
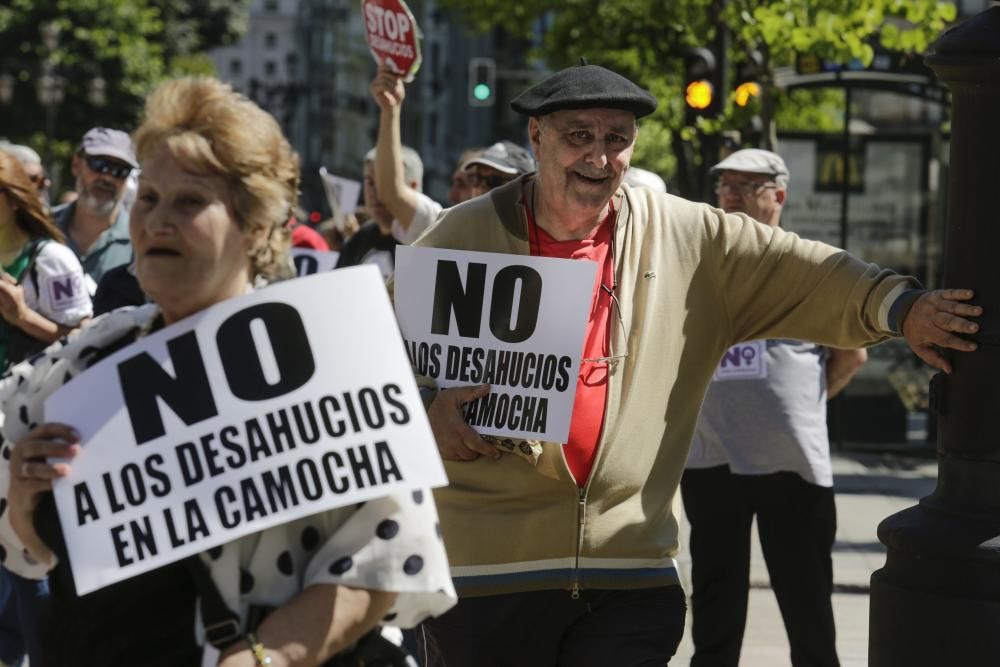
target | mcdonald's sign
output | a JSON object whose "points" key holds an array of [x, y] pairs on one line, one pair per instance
{"points": [[830, 169]]}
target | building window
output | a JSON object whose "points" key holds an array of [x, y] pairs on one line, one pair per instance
{"points": [[270, 5], [271, 40], [235, 67], [270, 68], [432, 129]]}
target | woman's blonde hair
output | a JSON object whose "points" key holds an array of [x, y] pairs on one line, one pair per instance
{"points": [[211, 129]]}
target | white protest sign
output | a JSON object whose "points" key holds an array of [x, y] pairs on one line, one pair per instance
{"points": [[255, 412], [308, 261], [512, 321], [341, 193], [744, 361]]}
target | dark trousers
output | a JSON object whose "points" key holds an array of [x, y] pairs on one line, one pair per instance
{"points": [[22, 600], [797, 524], [625, 628]]}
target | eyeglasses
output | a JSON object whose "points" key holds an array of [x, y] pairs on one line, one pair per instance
{"points": [[40, 181], [475, 179], [613, 359], [103, 165], [743, 188]]}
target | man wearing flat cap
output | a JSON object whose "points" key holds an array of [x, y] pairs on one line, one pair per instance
{"points": [[567, 558], [761, 450], [96, 224]]}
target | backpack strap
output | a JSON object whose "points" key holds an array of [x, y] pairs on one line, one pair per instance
{"points": [[36, 248]]}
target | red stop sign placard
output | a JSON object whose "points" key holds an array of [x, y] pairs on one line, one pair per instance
{"points": [[393, 36]]}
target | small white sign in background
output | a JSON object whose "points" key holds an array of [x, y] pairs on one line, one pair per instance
{"points": [[341, 193], [308, 261]]}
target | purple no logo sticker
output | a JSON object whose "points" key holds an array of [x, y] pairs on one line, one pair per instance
{"points": [[744, 361]]}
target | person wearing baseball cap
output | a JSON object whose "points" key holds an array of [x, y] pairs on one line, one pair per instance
{"points": [[562, 552], [96, 224], [499, 164], [761, 449]]}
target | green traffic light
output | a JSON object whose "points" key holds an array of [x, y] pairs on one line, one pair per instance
{"points": [[481, 92]]}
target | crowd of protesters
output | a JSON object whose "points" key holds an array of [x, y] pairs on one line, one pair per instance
{"points": [[564, 559]]}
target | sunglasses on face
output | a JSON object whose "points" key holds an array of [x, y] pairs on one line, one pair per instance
{"points": [[103, 165], [39, 180], [476, 179]]}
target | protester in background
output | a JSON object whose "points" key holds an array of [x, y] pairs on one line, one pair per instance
{"points": [[461, 187], [31, 161], [42, 297], [42, 294], [338, 232], [567, 559], [96, 224], [498, 165], [637, 177], [376, 240], [761, 449], [216, 190]]}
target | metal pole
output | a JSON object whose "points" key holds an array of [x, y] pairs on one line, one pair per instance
{"points": [[937, 600]]}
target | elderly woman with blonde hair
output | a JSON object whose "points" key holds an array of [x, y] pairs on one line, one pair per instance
{"points": [[218, 181]]}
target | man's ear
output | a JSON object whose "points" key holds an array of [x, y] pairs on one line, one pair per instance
{"points": [[780, 195], [534, 134], [74, 165]]}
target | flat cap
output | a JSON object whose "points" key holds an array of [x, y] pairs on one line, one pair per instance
{"points": [[753, 161], [584, 87]]}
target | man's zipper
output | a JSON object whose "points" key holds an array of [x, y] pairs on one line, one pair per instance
{"points": [[582, 515]]}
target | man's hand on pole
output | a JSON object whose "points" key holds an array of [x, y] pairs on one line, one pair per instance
{"points": [[933, 322]]}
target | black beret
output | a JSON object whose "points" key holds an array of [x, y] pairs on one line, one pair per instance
{"points": [[584, 87]]}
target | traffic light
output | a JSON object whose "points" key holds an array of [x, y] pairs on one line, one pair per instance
{"points": [[482, 82], [747, 75], [700, 97]]}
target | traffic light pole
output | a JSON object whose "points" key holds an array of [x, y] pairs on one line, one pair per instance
{"points": [[937, 599], [711, 144]]}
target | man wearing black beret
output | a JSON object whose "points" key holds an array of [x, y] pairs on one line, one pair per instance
{"points": [[566, 558]]}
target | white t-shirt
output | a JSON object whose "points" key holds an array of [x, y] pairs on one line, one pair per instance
{"points": [[61, 293], [765, 412], [424, 216]]}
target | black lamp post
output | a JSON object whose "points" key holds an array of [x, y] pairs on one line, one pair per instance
{"points": [[937, 600]]}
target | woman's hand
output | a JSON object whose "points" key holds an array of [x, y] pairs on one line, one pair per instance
{"points": [[31, 475], [315, 625], [12, 305]]}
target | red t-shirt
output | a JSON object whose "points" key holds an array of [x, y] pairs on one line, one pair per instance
{"points": [[592, 383]]}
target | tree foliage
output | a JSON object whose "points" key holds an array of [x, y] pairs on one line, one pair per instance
{"points": [[646, 40], [130, 44]]}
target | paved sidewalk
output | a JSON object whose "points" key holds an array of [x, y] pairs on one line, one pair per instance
{"points": [[869, 487]]}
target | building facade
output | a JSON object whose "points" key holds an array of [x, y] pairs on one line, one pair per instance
{"points": [[307, 62]]}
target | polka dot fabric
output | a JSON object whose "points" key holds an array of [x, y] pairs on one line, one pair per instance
{"points": [[389, 544]]}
